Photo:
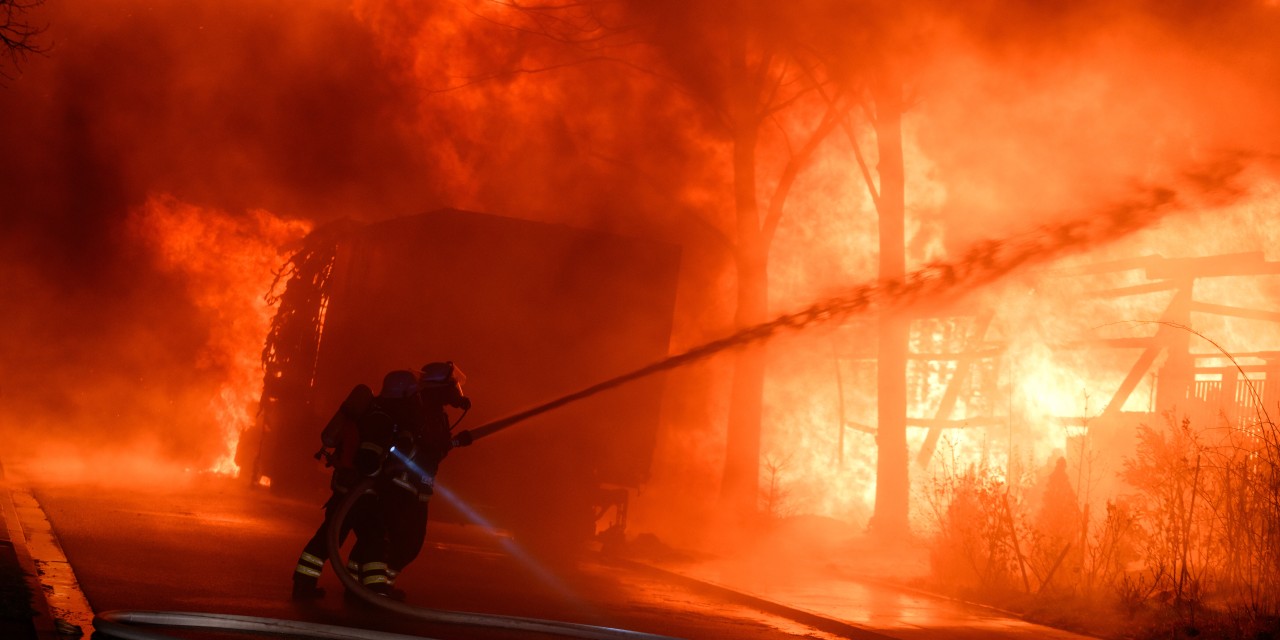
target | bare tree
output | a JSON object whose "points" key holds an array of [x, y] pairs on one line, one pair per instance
{"points": [[746, 65], [892, 483], [18, 34], [752, 66], [867, 55], [763, 80]]}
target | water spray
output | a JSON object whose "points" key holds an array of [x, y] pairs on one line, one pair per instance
{"points": [[127, 625], [513, 549], [510, 623], [985, 262]]}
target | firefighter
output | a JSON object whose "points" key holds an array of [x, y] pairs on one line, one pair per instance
{"points": [[418, 458], [401, 445], [360, 414], [385, 434]]}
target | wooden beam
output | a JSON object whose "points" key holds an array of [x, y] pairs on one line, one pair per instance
{"points": [[858, 426], [934, 424], [1137, 289], [1236, 312], [1252, 263], [1175, 309], [952, 393], [991, 352], [1264, 355], [1109, 343]]}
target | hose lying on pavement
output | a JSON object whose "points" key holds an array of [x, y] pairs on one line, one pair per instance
{"points": [[554, 627], [123, 624]]}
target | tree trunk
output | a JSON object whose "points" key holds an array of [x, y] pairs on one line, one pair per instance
{"points": [[740, 485], [742, 456], [892, 485]]}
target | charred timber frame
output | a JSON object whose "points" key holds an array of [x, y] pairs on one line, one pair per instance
{"points": [[952, 393], [1176, 381]]}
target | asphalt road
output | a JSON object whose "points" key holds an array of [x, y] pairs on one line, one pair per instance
{"points": [[207, 544], [217, 546]]}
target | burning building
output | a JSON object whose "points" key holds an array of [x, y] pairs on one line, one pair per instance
{"points": [[1143, 347]]}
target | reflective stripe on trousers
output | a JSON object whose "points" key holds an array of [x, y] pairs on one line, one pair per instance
{"points": [[373, 574], [308, 565]]}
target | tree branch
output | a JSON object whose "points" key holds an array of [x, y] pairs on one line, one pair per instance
{"points": [[795, 164], [862, 162], [18, 35]]}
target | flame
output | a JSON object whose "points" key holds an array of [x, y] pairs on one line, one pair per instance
{"points": [[227, 263], [817, 437], [1052, 376], [478, 80]]}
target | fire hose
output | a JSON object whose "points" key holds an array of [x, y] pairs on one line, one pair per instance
{"points": [[984, 263], [123, 624], [512, 623]]}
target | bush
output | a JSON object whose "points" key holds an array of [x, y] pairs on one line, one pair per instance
{"points": [[1191, 548]]}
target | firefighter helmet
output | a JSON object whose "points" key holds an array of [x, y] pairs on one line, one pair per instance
{"points": [[442, 384], [442, 373], [399, 384]]}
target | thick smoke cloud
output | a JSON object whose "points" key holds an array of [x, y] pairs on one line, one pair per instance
{"points": [[304, 110], [1029, 107], [1023, 112], [231, 107]]}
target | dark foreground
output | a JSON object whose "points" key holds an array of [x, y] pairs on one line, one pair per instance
{"points": [[216, 546]]}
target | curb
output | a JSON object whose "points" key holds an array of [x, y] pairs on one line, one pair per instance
{"points": [[11, 532]]}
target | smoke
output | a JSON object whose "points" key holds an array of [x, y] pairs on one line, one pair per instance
{"points": [[1066, 103], [1023, 114], [236, 109]]}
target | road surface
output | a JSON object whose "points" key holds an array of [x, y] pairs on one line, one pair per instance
{"points": [[209, 544]]}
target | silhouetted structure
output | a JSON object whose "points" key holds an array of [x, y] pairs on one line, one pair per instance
{"points": [[534, 309], [1204, 387]]}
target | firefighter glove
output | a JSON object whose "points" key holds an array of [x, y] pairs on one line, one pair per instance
{"points": [[462, 439]]}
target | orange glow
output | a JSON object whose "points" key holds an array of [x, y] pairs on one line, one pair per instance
{"points": [[159, 188], [1051, 390], [228, 263], [993, 145]]}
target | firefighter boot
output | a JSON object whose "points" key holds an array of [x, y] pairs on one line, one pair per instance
{"points": [[374, 577], [392, 591], [306, 589], [306, 577]]}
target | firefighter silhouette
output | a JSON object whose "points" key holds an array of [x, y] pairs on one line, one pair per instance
{"points": [[340, 439], [398, 438], [408, 473]]}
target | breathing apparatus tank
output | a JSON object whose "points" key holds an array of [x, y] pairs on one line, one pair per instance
{"points": [[344, 420]]}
